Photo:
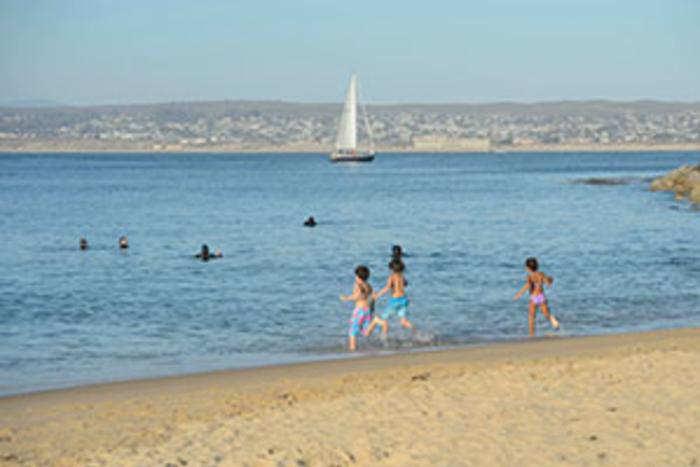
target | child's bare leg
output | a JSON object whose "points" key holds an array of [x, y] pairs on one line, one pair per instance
{"points": [[352, 343], [372, 325], [385, 327], [531, 319], [406, 323], [549, 316]]}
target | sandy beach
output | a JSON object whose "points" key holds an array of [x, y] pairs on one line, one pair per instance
{"points": [[629, 399]]}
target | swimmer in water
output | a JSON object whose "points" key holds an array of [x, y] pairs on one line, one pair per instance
{"points": [[310, 222], [361, 295], [535, 282], [398, 304], [204, 253], [123, 242], [397, 253], [83, 244]]}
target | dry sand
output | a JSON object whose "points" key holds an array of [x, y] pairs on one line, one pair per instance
{"points": [[622, 400]]}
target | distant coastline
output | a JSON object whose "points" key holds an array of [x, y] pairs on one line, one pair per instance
{"points": [[54, 148], [283, 127]]}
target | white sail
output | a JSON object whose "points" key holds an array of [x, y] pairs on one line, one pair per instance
{"points": [[347, 133], [346, 145]]}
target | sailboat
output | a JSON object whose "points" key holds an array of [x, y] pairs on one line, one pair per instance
{"points": [[346, 145]]}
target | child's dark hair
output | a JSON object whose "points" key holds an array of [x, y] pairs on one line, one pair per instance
{"points": [[362, 272], [396, 265], [396, 251], [531, 264]]}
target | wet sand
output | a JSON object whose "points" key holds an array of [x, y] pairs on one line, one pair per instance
{"points": [[629, 399]]}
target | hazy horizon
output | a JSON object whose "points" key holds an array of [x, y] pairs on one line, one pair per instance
{"points": [[47, 104], [85, 53]]}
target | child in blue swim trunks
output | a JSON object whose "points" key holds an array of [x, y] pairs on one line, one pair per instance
{"points": [[361, 315], [535, 283], [398, 304]]}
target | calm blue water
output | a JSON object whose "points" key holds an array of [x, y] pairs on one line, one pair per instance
{"points": [[623, 258]]}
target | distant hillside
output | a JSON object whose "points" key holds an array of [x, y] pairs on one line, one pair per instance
{"points": [[270, 124], [244, 107]]}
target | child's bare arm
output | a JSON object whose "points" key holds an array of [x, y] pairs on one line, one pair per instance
{"points": [[354, 296], [548, 279], [386, 288], [521, 291]]}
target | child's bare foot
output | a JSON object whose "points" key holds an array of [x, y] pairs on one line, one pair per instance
{"points": [[555, 323]]}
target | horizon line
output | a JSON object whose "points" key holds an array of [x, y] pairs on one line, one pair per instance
{"points": [[12, 105]]}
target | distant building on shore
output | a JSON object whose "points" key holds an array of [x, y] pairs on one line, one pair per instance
{"points": [[444, 143]]}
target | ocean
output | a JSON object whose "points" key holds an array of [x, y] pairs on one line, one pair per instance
{"points": [[623, 258]]}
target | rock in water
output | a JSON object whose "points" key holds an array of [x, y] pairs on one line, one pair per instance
{"points": [[684, 182], [694, 195]]}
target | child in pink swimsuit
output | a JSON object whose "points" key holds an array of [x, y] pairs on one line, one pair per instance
{"points": [[535, 283], [361, 315]]}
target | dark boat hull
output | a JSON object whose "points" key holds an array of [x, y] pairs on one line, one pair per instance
{"points": [[364, 158]]}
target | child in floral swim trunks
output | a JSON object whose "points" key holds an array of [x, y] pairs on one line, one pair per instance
{"points": [[398, 305], [535, 283], [361, 295]]}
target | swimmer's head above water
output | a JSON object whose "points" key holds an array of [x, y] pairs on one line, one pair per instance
{"points": [[123, 242], [204, 253], [396, 251], [83, 244]]}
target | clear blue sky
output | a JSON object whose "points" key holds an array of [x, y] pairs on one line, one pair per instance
{"points": [[122, 51]]}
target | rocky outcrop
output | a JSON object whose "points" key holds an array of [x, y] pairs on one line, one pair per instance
{"points": [[684, 182]]}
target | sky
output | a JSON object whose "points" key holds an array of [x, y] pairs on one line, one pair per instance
{"points": [[90, 52]]}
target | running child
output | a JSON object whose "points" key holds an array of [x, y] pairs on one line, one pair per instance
{"points": [[398, 305], [535, 283], [361, 315]]}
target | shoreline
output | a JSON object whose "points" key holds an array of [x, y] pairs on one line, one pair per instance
{"points": [[335, 361], [513, 348], [302, 149], [332, 360], [618, 397]]}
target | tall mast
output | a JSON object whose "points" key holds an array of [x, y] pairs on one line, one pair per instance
{"points": [[367, 126]]}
